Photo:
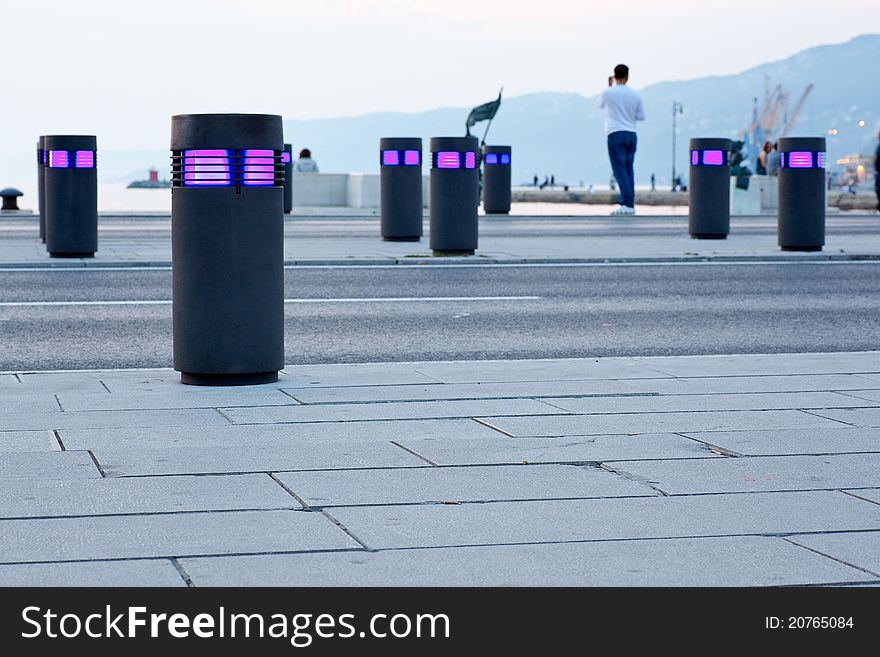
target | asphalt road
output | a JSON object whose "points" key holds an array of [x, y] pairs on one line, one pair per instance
{"points": [[348, 314]]}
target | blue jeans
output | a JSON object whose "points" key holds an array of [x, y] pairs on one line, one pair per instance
{"points": [[622, 152]]}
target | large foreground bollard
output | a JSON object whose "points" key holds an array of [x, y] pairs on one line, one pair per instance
{"points": [[400, 190], [496, 179], [227, 246], [454, 195], [70, 187], [801, 224], [287, 161], [42, 160], [709, 189]]}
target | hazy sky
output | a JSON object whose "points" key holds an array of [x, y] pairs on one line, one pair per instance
{"points": [[120, 69]]}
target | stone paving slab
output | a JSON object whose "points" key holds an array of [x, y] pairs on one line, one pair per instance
{"points": [[750, 474], [628, 518], [333, 455], [587, 425], [755, 384], [505, 450], [25, 401], [860, 549], [464, 484], [870, 494], [112, 419], [461, 391], [871, 395], [272, 435], [739, 561], [54, 498], [144, 572], [171, 396], [763, 364], [28, 441], [717, 402], [388, 411], [500, 371], [857, 417], [47, 465], [177, 534], [793, 441]]}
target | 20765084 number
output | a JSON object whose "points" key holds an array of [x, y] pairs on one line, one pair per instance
{"points": [[809, 622]]}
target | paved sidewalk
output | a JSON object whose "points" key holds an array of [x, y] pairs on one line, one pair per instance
{"points": [[728, 470], [352, 240]]}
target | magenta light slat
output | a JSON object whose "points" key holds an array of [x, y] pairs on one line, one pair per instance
{"points": [[713, 158], [259, 167], [695, 158], [800, 160], [206, 167], [490, 158], [390, 158], [448, 160], [470, 160], [505, 158], [285, 157], [412, 158], [59, 159], [84, 160]]}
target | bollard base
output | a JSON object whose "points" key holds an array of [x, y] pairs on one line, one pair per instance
{"points": [[85, 254], [709, 236], [808, 249], [402, 239], [444, 254], [249, 379], [497, 213]]}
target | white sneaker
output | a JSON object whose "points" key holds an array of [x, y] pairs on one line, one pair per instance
{"points": [[623, 210]]}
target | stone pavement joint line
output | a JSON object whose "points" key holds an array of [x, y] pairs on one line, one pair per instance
{"points": [[718, 470]]}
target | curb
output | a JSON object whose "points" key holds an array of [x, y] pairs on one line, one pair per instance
{"points": [[429, 261]]}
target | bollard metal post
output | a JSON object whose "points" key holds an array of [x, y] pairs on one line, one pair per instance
{"points": [[42, 161], [287, 161], [801, 219], [400, 188], [454, 189], [227, 246], [70, 187], [709, 189], [10, 199], [496, 179]]}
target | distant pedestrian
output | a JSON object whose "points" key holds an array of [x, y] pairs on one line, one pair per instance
{"points": [[653, 183], [623, 107], [877, 172], [535, 181], [305, 163], [761, 168], [553, 181]]}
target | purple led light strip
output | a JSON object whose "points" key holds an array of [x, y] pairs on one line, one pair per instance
{"points": [[713, 158], [800, 160], [390, 158], [470, 160], [412, 158], [259, 167], [206, 167], [490, 158], [448, 160], [84, 160], [59, 159]]}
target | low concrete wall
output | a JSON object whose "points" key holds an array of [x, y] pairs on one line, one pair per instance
{"points": [[352, 190], [534, 195]]}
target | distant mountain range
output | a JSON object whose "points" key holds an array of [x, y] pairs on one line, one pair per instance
{"points": [[562, 133]]}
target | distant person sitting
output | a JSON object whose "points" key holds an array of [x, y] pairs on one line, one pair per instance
{"points": [[772, 160], [761, 169], [305, 163], [877, 172], [623, 107]]}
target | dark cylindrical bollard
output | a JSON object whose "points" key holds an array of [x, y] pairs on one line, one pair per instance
{"points": [[42, 161], [227, 248], [71, 196], [454, 192], [496, 179], [400, 188], [801, 224], [709, 189], [287, 161]]}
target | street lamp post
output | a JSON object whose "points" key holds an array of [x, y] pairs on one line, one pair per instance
{"points": [[677, 108]]}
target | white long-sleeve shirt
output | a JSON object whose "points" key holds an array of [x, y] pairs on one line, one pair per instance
{"points": [[623, 107]]}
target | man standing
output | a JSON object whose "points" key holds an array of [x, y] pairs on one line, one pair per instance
{"points": [[623, 107]]}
